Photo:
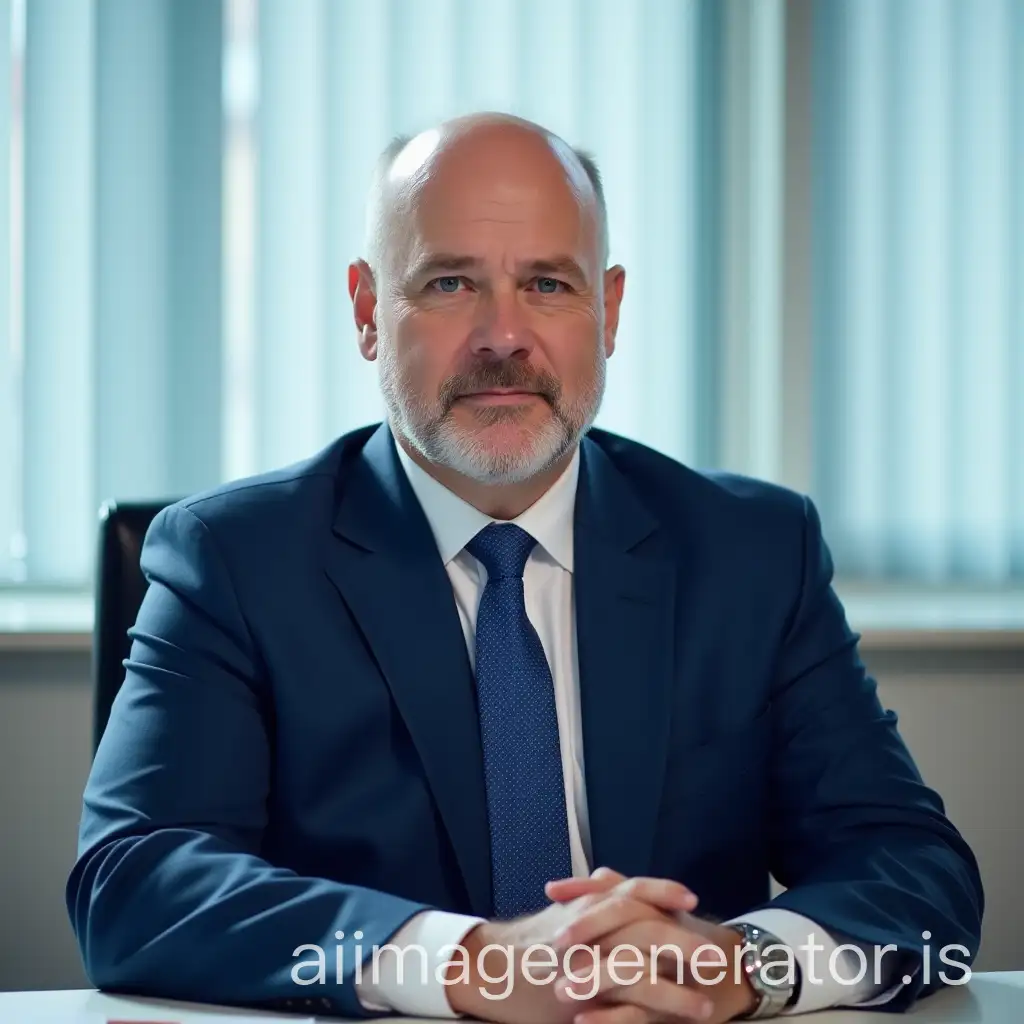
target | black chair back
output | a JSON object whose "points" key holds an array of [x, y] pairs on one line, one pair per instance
{"points": [[119, 589]]}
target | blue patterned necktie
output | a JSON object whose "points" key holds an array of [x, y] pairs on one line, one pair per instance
{"points": [[519, 730]]}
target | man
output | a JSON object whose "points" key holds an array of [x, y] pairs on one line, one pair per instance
{"points": [[482, 679]]}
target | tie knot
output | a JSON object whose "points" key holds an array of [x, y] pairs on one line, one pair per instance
{"points": [[503, 548]]}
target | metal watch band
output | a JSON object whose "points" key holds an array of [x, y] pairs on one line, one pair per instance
{"points": [[774, 997]]}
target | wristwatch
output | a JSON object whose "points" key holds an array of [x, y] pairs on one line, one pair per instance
{"points": [[764, 954]]}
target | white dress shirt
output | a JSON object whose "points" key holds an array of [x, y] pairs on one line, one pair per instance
{"points": [[550, 606]]}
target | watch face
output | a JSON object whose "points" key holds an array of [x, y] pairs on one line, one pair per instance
{"points": [[773, 953], [777, 973]]}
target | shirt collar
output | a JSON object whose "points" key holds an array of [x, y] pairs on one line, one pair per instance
{"points": [[455, 522]]}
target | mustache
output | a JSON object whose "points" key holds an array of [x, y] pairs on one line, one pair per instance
{"points": [[507, 374]]}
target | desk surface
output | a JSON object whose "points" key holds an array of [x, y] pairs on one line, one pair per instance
{"points": [[996, 998]]}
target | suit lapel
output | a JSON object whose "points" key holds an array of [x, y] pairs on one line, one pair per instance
{"points": [[384, 562], [626, 644]]}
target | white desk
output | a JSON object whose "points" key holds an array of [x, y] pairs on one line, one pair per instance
{"points": [[987, 999]]}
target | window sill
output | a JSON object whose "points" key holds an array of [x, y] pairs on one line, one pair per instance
{"points": [[888, 618], [893, 617], [32, 620]]}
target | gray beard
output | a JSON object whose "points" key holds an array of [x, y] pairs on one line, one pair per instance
{"points": [[441, 441]]}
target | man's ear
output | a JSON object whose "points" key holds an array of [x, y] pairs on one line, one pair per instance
{"points": [[614, 287], [363, 290]]}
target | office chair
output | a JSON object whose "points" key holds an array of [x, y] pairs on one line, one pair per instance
{"points": [[120, 587]]}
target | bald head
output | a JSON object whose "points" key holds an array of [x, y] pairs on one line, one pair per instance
{"points": [[511, 157]]}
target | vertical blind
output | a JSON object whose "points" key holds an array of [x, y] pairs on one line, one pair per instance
{"points": [[919, 235], [186, 183], [114, 366], [195, 176]]}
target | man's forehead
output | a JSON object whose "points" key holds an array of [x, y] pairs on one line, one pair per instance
{"points": [[519, 219], [460, 193], [503, 210], [429, 262], [438, 244]]}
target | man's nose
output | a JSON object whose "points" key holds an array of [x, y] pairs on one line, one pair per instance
{"points": [[503, 331]]}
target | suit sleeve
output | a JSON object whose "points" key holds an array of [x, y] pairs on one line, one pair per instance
{"points": [[170, 895], [863, 846]]}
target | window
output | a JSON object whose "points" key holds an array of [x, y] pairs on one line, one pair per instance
{"points": [[919, 288], [814, 202]]}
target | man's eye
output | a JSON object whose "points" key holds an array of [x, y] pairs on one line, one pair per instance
{"points": [[449, 285], [549, 285]]}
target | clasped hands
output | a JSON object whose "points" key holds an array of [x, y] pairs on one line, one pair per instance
{"points": [[599, 934]]}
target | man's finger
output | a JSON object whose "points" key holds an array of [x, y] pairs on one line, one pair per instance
{"points": [[614, 910], [659, 892], [607, 875], [663, 998], [604, 918], [624, 1014], [662, 892], [631, 982], [562, 890], [565, 890], [673, 945]]}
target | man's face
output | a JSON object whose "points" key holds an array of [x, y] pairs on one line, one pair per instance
{"points": [[492, 331]]}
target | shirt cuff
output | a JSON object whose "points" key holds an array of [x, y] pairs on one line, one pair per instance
{"points": [[834, 971], [402, 976]]}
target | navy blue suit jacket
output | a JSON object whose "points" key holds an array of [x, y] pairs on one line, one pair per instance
{"points": [[295, 749]]}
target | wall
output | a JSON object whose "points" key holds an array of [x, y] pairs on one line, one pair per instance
{"points": [[960, 712], [45, 750]]}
